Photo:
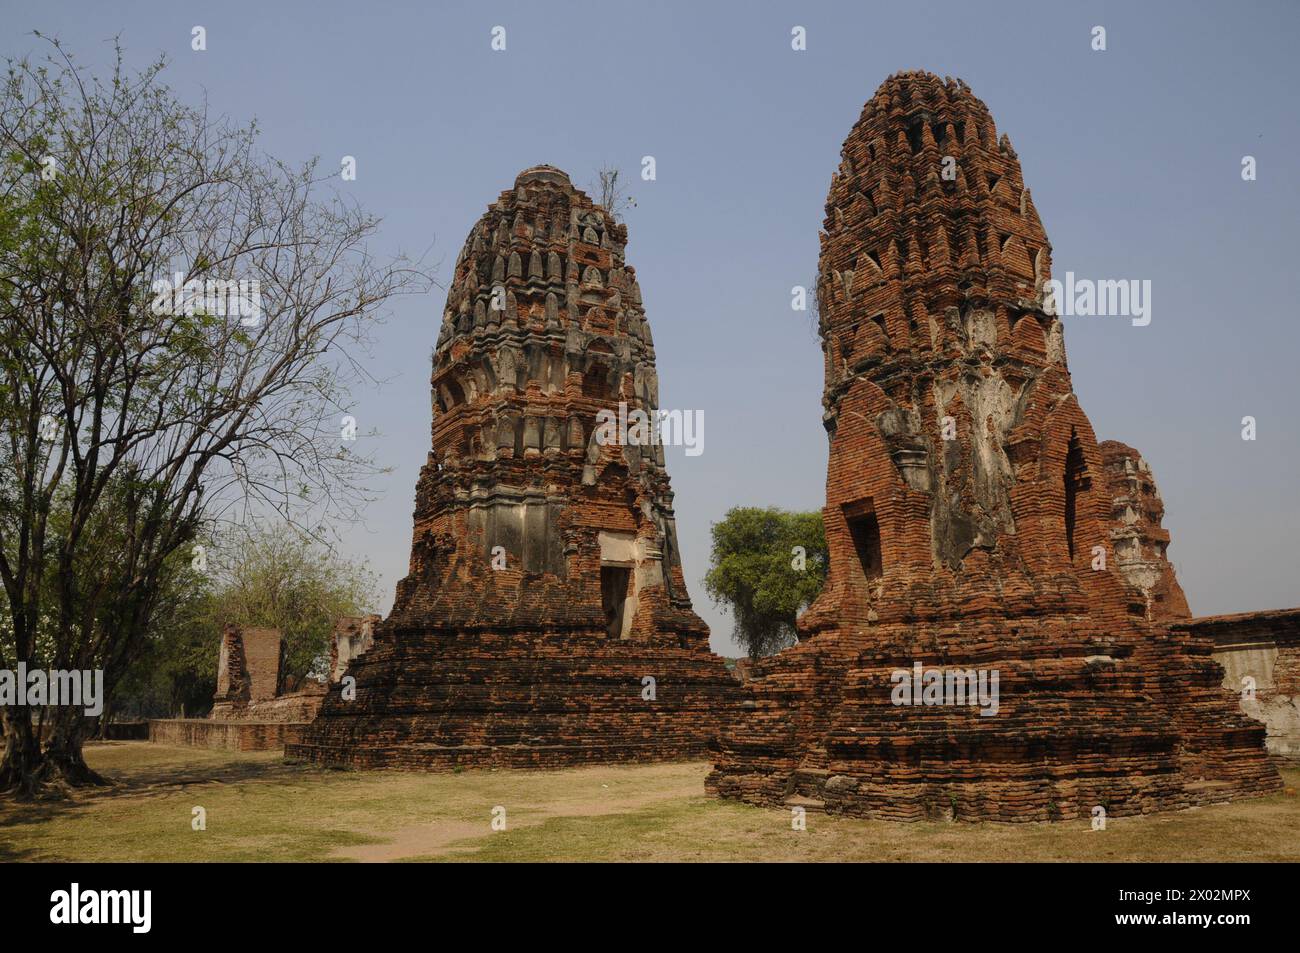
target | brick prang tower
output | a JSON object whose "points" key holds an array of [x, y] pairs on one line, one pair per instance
{"points": [[545, 619], [970, 521]]}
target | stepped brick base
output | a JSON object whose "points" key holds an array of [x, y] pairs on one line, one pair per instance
{"points": [[1075, 729], [435, 701]]}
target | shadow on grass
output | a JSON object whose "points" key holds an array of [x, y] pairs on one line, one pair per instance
{"points": [[147, 780]]}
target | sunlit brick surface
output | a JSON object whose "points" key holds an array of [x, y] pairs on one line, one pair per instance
{"points": [[975, 552], [504, 646]]}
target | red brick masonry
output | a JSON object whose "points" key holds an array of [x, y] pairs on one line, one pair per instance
{"points": [[1265, 648], [230, 735], [976, 552], [545, 619]]}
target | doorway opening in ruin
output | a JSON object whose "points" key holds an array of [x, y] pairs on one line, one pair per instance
{"points": [[1076, 479], [613, 596], [865, 530]]}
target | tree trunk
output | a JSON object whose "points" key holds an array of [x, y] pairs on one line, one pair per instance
{"points": [[21, 765], [63, 758], [100, 732], [27, 772]]}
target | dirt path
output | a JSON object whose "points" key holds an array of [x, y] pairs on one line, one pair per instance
{"points": [[441, 837]]}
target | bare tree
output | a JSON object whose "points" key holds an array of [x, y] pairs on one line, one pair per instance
{"points": [[612, 189], [180, 317]]}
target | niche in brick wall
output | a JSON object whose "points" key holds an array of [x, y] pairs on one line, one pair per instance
{"points": [[1076, 479], [864, 528], [614, 582]]}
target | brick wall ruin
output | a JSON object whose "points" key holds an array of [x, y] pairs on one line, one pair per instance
{"points": [[967, 504], [248, 667], [250, 683], [227, 735], [256, 707], [352, 637], [1260, 655], [545, 618]]}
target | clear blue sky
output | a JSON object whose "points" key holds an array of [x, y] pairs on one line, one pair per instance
{"points": [[1133, 156]]}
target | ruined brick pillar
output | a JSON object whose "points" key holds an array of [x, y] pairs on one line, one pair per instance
{"points": [[545, 618], [249, 667], [969, 521]]}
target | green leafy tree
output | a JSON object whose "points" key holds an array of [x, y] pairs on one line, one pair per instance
{"points": [[173, 672], [180, 318], [179, 599], [767, 566]]}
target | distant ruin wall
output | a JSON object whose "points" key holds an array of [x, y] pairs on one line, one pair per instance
{"points": [[250, 680], [299, 706], [227, 735], [248, 667], [1260, 655], [352, 637], [251, 710]]}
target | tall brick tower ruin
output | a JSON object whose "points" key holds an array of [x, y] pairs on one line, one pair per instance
{"points": [[968, 507], [545, 619]]}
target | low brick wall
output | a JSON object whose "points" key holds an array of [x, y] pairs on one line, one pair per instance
{"points": [[127, 731], [230, 735], [294, 707]]}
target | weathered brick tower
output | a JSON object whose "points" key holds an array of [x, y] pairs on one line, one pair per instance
{"points": [[967, 504], [545, 619]]}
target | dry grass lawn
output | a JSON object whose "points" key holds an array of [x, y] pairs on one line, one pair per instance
{"points": [[259, 808]]}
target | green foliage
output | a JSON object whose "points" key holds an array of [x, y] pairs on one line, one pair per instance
{"points": [[258, 576], [757, 571], [175, 672], [279, 577], [131, 415], [173, 665]]}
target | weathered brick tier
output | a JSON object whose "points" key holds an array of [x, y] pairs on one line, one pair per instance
{"points": [[433, 700], [545, 581], [969, 507], [1072, 731]]}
